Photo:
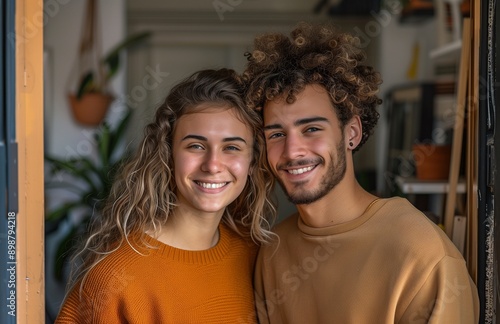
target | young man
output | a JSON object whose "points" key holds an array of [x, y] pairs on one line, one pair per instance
{"points": [[347, 256]]}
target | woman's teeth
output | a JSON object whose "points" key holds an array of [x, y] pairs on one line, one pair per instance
{"points": [[211, 185]]}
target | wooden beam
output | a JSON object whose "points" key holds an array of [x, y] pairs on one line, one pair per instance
{"points": [[458, 129]]}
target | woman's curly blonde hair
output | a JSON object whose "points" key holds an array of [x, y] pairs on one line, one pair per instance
{"points": [[281, 66], [143, 195]]}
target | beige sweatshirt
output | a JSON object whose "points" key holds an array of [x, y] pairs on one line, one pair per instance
{"points": [[390, 265]]}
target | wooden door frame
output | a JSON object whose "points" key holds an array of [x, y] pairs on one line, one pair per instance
{"points": [[29, 132]]}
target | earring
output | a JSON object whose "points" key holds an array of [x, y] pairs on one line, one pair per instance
{"points": [[351, 144]]}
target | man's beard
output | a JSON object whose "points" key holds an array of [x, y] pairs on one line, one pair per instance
{"points": [[335, 173]]}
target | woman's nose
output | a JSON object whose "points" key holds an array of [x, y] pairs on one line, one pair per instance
{"points": [[213, 163]]}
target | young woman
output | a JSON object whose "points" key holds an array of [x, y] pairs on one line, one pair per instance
{"points": [[177, 240]]}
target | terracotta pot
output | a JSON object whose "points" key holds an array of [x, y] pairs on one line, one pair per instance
{"points": [[91, 109], [432, 161]]}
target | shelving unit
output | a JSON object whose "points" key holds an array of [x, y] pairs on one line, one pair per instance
{"points": [[412, 185], [414, 113], [410, 110]]}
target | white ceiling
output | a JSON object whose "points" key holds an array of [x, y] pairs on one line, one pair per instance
{"points": [[267, 6]]}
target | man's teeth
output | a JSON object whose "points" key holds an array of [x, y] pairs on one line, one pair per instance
{"points": [[301, 170], [212, 185]]}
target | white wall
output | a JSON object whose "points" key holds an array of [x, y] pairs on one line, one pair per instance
{"points": [[61, 40], [191, 39], [396, 49], [63, 136]]}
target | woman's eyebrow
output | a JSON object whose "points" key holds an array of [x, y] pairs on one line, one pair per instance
{"points": [[197, 137], [235, 138], [203, 138]]}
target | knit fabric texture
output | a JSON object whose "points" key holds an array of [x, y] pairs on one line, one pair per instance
{"points": [[164, 284]]}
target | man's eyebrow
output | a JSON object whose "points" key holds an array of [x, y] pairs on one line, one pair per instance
{"points": [[309, 120], [203, 138], [272, 126], [298, 122]]}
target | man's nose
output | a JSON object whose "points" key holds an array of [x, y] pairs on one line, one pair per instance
{"points": [[294, 147]]}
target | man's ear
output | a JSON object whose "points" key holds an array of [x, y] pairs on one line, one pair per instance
{"points": [[353, 133]]}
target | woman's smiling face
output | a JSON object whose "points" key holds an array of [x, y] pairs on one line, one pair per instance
{"points": [[212, 153]]}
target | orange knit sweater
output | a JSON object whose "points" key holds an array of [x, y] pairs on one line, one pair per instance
{"points": [[168, 285]]}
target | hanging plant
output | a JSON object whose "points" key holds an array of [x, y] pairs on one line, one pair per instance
{"points": [[91, 98]]}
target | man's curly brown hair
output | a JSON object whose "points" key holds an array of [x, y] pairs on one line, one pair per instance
{"points": [[280, 66]]}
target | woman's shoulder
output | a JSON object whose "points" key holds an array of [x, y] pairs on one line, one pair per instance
{"points": [[238, 242], [238, 236], [98, 292], [116, 267]]}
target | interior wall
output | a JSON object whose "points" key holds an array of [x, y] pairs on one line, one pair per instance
{"points": [[62, 32], [188, 40], [390, 45], [398, 44], [63, 136]]}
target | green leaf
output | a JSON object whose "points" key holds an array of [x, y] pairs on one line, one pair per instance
{"points": [[103, 144], [86, 85], [97, 174], [91, 166], [72, 168], [112, 65], [111, 60], [68, 186], [62, 211], [117, 134]]}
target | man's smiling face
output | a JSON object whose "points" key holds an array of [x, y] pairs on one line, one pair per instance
{"points": [[305, 145]]}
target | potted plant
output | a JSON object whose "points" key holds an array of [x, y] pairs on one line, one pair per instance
{"points": [[432, 161], [91, 98], [90, 180]]}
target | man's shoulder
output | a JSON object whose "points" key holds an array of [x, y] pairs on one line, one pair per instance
{"points": [[413, 228], [400, 212], [399, 205]]}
